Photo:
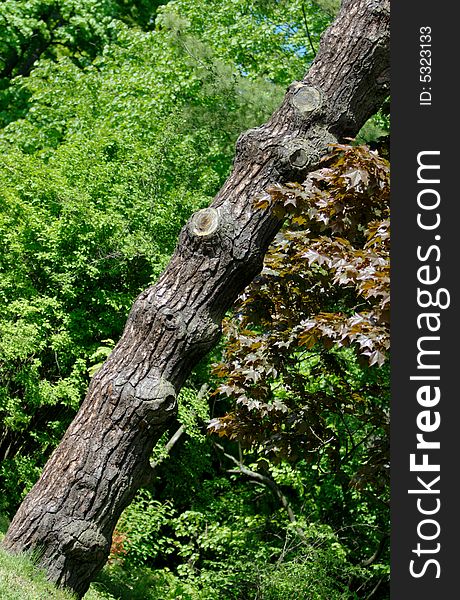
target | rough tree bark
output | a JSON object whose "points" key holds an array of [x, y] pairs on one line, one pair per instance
{"points": [[103, 458]]}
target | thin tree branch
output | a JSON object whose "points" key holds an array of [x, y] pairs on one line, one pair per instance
{"points": [[268, 482], [377, 554], [379, 582], [308, 30], [169, 446]]}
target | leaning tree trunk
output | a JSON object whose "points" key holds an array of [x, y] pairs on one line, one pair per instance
{"points": [[103, 459]]}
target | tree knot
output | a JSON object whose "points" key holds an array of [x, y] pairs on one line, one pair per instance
{"points": [[84, 540], [299, 155]]}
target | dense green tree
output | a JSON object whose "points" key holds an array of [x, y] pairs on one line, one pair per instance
{"points": [[35, 29]]}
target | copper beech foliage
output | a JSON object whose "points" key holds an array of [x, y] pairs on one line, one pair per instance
{"points": [[325, 284]]}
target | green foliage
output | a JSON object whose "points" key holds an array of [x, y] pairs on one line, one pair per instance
{"points": [[20, 578], [262, 38], [202, 535], [193, 411], [227, 546], [99, 356], [331, 7], [74, 257], [141, 523], [35, 28]]}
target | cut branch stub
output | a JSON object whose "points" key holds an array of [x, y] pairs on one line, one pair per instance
{"points": [[306, 99], [299, 158], [204, 223]]}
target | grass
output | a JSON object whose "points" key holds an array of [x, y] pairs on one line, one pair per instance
{"points": [[21, 579]]}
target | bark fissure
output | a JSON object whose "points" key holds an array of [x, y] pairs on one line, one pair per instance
{"points": [[104, 456]]}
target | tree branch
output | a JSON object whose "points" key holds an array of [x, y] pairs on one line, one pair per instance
{"points": [[266, 481], [310, 41], [169, 446], [378, 553]]}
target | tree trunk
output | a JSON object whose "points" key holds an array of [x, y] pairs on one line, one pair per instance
{"points": [[103, 458]]}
